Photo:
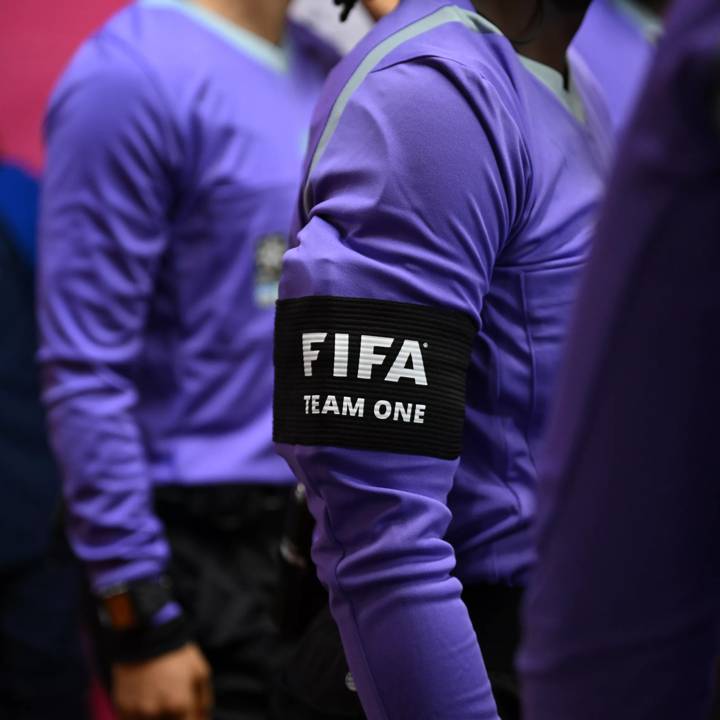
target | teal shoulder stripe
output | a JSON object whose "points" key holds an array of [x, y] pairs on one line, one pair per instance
{"points": [[647, 22], [443, 16]]}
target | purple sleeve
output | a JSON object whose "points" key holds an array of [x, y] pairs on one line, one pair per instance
{"points": [[410, 204], [103, 229]]}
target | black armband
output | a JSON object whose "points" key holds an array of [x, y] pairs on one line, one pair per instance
{"points": [[371, 375]]}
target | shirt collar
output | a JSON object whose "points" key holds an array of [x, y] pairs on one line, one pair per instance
{"points": [[548, 76], [276, 57]]}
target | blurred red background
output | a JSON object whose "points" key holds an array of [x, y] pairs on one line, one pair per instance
{"points": [[39, 37]]}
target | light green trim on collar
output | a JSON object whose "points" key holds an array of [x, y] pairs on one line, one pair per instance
{"points": [[648, 22], [275, 57], [486, 24], [555, 82], [446, 14], [551, 78]]}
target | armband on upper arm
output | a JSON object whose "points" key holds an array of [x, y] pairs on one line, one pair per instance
{"points": [[371, 375]]}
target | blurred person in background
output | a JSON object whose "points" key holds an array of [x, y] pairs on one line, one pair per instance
{"points": [[456, 164], [357, 17], [623, 610], [43, 671], [617, 41], [174, 148]]}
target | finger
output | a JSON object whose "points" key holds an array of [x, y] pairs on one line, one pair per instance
{"points": [[174, 715], [189, 714], [136, 715], [125, 714], [205, 700]]}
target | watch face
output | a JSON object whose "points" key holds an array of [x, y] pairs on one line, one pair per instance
{"points": [[120, 611]]}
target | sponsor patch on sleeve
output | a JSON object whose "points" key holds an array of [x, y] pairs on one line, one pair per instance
{"points": [[371, 375]]}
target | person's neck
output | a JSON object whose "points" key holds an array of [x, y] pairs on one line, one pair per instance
{"points": [[545, 40], [265, 18]]}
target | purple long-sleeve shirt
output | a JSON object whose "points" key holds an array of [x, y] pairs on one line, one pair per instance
{"points": [[617, 42], [175, 146], [623, 611], [451, 187]]}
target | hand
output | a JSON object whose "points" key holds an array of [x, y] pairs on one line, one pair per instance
{"points": [[175, 686], [379, 8]]}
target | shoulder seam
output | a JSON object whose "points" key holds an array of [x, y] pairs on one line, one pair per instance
{"points": [[442, 16]]}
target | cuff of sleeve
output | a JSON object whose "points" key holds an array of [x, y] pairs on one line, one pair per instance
{"points": [[146, 643]]}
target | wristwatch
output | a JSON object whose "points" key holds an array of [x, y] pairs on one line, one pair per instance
{"points": [[141, 620], [134, 605]]}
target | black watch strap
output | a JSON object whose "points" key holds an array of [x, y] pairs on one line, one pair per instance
{"points": [[131, 621], [133, 646], [135, 604]]}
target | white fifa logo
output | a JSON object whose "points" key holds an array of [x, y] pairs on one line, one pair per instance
{"points": [[408, 363]]}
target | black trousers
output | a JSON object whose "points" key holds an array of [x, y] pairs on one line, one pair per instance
{"points": [[224, 542], [314, 684]]}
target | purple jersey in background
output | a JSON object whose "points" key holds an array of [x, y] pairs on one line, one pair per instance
{"points": [[623, 610], [452, 186], [175, 145], [617, 42]]}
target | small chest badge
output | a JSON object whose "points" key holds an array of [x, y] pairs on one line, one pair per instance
{"points": [[268, 266]]}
